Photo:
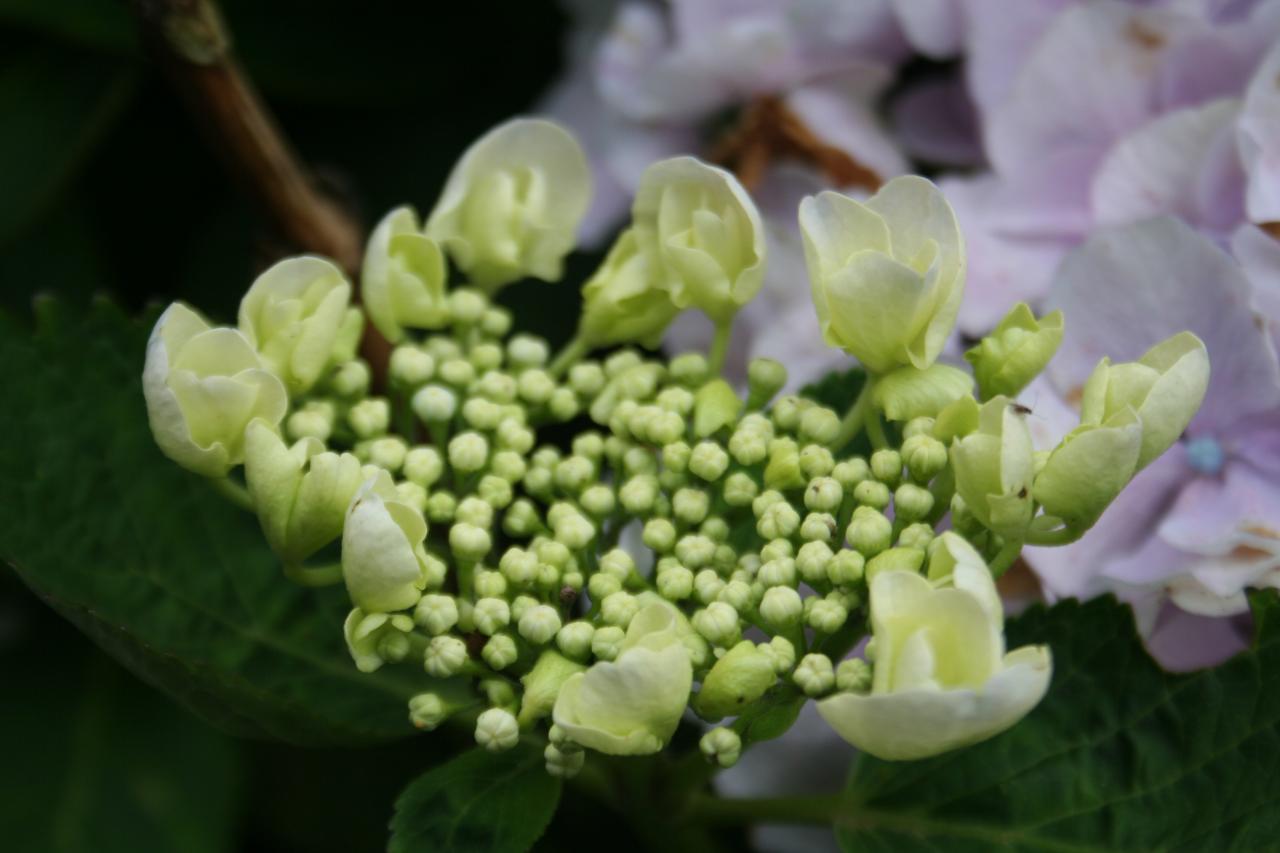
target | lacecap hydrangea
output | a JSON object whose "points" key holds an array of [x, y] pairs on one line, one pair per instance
{"points": [[769, 535]]}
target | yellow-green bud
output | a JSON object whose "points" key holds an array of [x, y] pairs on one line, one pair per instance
{"points": [[434, 403], [436, 613], [717, 623], [925, 457], [853, 675], [574, 639], [846, 567], [899, 559], [606, 643], [740, 677], [497, 730], [539, 624], [815, 675], [445, 656], [781, 607], [765, 377], [872, 494], [819, 527], [500, 651], [1016, 351], [721, 746], [869, 531], [740, 489]]}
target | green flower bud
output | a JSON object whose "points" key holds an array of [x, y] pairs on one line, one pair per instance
{"points": [[823, 494], [458, 372], [846, 567], [467, 306], [917, 535], [850, 472], [539, 624], [606, 643], [376, 638], [740, 489], [508, 465], [924, 456], [514, 436], [624, 301], [313, 420], [908, 393], [468, 452], [721, 746], [812, 561], [410, 366], [695, 550], [912, 502], [765, 377], [586, 378], [369, 418], [749, 446], [675, 456], [469, 542], [781, 607], [887, 275], [708, 461], [676, 399], [818, 424], [716, 529], [815, 675], [708, 585], [886, 466], [718, 623], [383, 561], [535, 386], [898, 559], [351, 380], [496, 322], [816, 461], [827, 616], [403, 279], [780, 520], [598, 501], [619, 608], [691, 505], [675, 583], [497, 730], [1091, 466], [690, 369], [526, 351], [1016, 351], [618, 563], [542, 685], [387, 452], [561, 764], [601, 586], [428, 710], [434, 403], [781, 653], [783, 471], [716, 405], [491, 615], [500, 651], [740, 677], [574, 639], [818, 527], [869, 531], [436, 613], [445, 656], [659, 534], [441, 506], [993, 469], [853, 675], [423, 465]]}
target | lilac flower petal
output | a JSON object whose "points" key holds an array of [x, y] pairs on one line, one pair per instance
{"points": [[1259, 140], [933, 27], [1259, 254], [1130, 287], [1182, 641], [936, 122], [1158, 168], [998, 39], [1236, 515]]}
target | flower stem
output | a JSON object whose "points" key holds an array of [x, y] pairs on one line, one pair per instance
{"points": [[569, 356], [1005, 557], [856, 417], [314, 576], [875, 430], [1061, 536], [720, 346], [233, 491]]}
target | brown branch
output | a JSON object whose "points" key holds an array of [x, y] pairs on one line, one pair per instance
{"points": [[191, 45]]}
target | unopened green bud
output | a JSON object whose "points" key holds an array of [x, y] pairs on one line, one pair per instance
{"points": [[457, 372], [898, 559], [718, 623], [819, 527], [850, 472], [721, 746], [351, 380], [542, 685], [1016, 351], [619, 609], [815, 675], [783, 471], [445, 656], [527, 351], [469, 542], [508, 465], [690, 505], [886, 466], [740, 489], [740, 677], [521, 519], [598, 501], [812, 560], [695, 550], [816, 461], [310, 422], [871, 493], [781, 653], [500, 651], [574, 639], [586, 378], [869, 531], [535, 386], [607, 642], [387, 452], [434, 403], [428, 710], [482, 414], [853, 675], [659, 534], [369, 418], [468, 452], [708, 460], [675, 456], [539, 624], [781, 607], [675, 583], [827, 617], [618, 563], [690, 369], [716, 406], [925, 457], [917, 535], [515, 436], [765, 377], [780, 520], [496, 387], [491, 615], [436, 613], [778, 572], [601, 586], [675, 399], [497, 730], [410, 367], [912, 502], [819, 425], [846, 567], [561, 764], [787, 411], [749, 446], [423, 465], [496, 322], [776, 549]]}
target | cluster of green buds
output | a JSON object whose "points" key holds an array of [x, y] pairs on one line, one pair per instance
{"points": [[587, 547]]}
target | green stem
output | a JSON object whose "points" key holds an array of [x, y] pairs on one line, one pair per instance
{"points": [[720, 346], [855, 418], [943, 488], [1005, 557], [314, 576], [1061, 536], [875, 430], [233, 491], [569, 356]]}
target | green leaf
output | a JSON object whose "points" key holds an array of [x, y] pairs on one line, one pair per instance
{"points": [[771, 716], [480, 802], [165, 575], [1119, 756], [57, 105], [838, 389], [94, 760]]}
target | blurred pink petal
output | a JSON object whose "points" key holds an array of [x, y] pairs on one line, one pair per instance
{"points": [[1259, 140], [1182, 641], [933, 27], [935, 121]]}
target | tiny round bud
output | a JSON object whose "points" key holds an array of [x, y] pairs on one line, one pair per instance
{"points": [[521, 519], [387, 452], [912, 502], [816, 461], [574, 639], [528, 351], [457, 372], [675, 583], [781, 607], [721, 746], [410, 367], [423, 465], [819, 425], [691, 505], [496, 321], [496, 387], [675, 456], [586, 378], [485, 356], [369, 418], [436, 613], [474, 510], [776, 549], [690, 369], [850, 472], [739, 594], [539, 624], [619, 563], [513, 435], [812, 561], [638, 494], [708, 585], [676, 399], [445, 656], [870, 493], [427, 711], [659, 535], [412, 494], [601, 586], [780, 520], [781, 652], [351, 380], [619, 609], [823, 494], [925, 457], [886, 466], [853, 675], [748, 446], [827, 616], [573, 474], [535, 386], [508, 465], [434, 403], [695, 550], [845, 567], [917, 535], [574, 530], [500, 651], [482, 414], [869, 532], [708, 461], [467, 306], [740, 489], [778, 572], [718, 623], [606, 643], [491, 615], [468, 452], [819, 527], [497, 730], [598, 500], [815, 675], [765, 377], [469, 542], [440, 507], [561, 764]]}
